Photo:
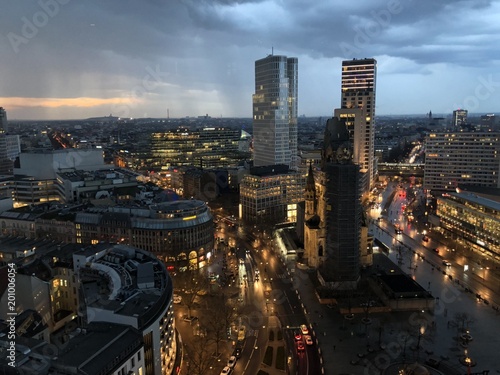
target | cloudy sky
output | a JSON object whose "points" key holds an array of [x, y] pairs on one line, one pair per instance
{"points": [[66, 59]]}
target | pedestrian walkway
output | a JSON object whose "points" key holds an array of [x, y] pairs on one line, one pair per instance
{"points": [[274, 361], [352, 345]]}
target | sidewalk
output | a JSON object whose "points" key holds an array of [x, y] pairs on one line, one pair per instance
{"points": [[351, 346]]}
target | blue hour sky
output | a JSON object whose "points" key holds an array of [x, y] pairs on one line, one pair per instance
{"points": [[69, 59]]}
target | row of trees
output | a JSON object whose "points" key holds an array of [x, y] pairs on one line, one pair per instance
{"points": [[217, 314]]}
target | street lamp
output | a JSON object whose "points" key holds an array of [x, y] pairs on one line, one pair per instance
{"points": [[421, 333]]}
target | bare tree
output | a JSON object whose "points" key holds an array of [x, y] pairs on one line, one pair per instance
{"points": [[191, 283], [463, 320], [218, 318], [199, 356]]}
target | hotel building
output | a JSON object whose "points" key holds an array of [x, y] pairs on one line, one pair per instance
{"points": [[461, 158], [358, 109]]}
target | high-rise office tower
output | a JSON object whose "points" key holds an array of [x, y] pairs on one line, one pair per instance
{"points": [[3, 120], [358, 92], [275, 111], [5, 163], [459, 117]]}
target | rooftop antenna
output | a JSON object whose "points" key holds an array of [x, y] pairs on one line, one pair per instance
{"points": [[272, 51]]}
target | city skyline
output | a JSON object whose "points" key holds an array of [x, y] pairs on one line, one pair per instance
{"points": [[63, 60]]}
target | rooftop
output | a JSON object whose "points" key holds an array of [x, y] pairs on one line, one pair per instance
{"points": [[92, 349], [479, 199], [101, 174], [133, 283], [269, 170]]}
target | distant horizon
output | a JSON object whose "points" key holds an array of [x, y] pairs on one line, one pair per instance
{"points": [[96, 118]]}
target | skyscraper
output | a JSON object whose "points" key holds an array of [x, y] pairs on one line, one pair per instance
{"points": [[272, 190], [275, 111], [5, 163], [3, 121], [358, 92], [459, 117]]}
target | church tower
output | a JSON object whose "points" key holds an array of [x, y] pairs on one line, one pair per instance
{"points": [[341, 217], [310, 195], [313, 245]]}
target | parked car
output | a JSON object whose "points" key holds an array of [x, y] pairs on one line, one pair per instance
{"points": [[237, 352], [231, 362]]}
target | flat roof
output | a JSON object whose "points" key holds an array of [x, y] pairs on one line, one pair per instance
{"points": [[401, 283], [91, 351], [477, 199], [269, 170]]}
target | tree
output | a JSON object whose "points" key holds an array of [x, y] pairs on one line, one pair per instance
{"points": [[199, 356], [463, 320], [218, 318], [192, 283]]}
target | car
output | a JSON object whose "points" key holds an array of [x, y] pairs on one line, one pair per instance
{"points": [[237, 352], [425, 239], [242, 333], [298, 336], [446, 263], [308, 339], [231, 362], [436, 251], [226, 371], [189, 319], [303, 329], [300, 346], [177, 299]]}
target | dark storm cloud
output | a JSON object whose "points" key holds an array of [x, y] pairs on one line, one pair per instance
{"points": [[354, 29], [203, 50]]}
